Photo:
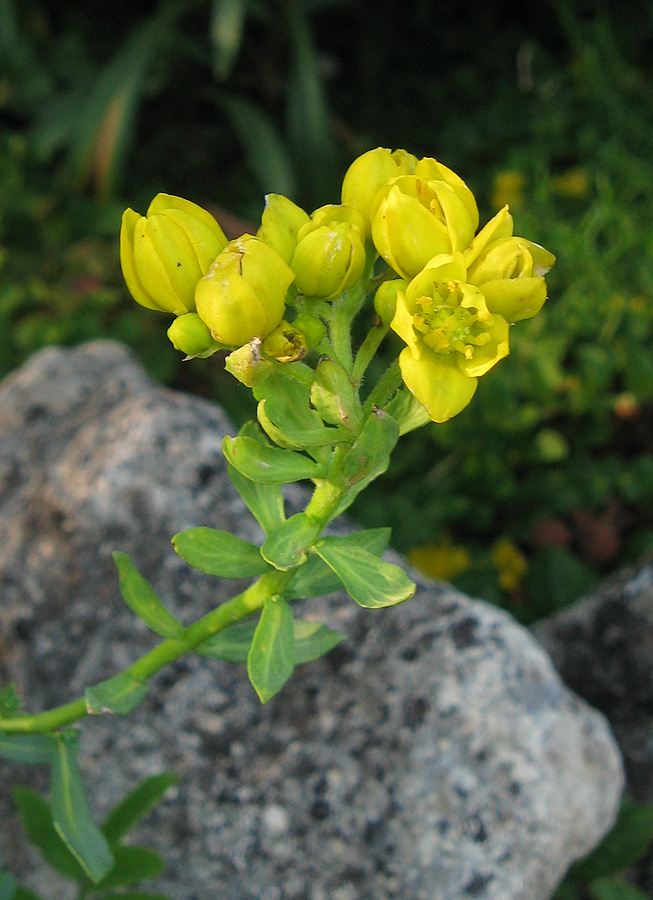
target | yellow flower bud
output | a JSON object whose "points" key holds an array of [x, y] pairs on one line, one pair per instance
{"points": [[416, 220], [280, 222], [499, 226], [510, 273], [330, 254], [165, 253], [452, 338], [191, 336], [311, 327], [243, 296], [385, 298], [286, 343], [431, 170], [369, 173], [248, 365]]}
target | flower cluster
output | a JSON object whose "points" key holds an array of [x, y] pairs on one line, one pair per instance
{"points": [[407, 226]]}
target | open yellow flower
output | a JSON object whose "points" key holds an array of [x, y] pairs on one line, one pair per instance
{"points": [[414, 220], [452, 338]]}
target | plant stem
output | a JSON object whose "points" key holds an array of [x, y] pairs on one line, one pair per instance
{"points": [[239, 607], [385, 388], [367, 351]]}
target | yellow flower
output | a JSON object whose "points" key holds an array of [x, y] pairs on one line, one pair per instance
{"points": [[165, 253], [452, 338], [510, 563], [509, 270], [330, 254], [369, 173], [414, 220], [444, 560], [280, 222], [243, 295]]}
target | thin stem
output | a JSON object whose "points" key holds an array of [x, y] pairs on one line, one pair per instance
{"points": [[367, 351], [239, 607], [385, 388]]}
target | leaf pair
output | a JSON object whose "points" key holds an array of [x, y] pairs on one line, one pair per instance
{"points": [[72, 844]]}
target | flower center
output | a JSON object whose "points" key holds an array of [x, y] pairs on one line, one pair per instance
{"points": [[445, 325]]}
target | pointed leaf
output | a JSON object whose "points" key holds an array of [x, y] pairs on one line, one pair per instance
{"points": [[72, 817], [334, 397], [219, 553], [297, 438], [315, 579], [285, 414], [264, 501], [369, 581], [129, 811], [26, 748], [119, 695], [132, 864], [36, 817], [269, 465], [312, 640], [140, 597], [286, 547], [408, 411], [270, 662], [227, 24]]}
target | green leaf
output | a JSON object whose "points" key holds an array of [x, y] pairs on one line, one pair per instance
{"points": [[286, 547], [136, 805], [314, 578], [23, 893], [285, 414], [369, 581], [312, 640], [265, 152], [36, 817], [227, 25], [409, 412], [627, 843], [264, 501], [7, 886], [270, 661], [26, 748], [71, 815], [334, 397], [141, 598], [119, 695], [9, 700], [132, 864], [269, 465], [611, 889], [219, 553]]}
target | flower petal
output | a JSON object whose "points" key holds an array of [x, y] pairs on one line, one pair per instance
{"points": [[437, 383]]}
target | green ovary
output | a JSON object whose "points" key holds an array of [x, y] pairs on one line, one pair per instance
{"points": [[446, 328]]}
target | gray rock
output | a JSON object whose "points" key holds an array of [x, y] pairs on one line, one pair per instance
{"points": [[434, 755], [603, 648]]}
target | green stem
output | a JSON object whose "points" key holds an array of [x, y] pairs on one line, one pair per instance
{"points": [[385, 388], [239, 607], [367, 351]]}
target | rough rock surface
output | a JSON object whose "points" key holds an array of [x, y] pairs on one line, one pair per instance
{"points": [[603, 648], [435, 755]]}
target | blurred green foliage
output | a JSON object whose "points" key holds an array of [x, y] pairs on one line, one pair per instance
{"points": [[223, 100]]}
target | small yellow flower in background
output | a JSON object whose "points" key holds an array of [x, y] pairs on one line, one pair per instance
{"points": [[414, 220], [510, 563], [164, 253], [452, 338], [330, 254], [244, 294], [444, 560], [508, 190], [572, 183], [369, 173]]}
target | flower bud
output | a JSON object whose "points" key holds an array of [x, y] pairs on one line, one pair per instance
{"points": [[286, 343], [510, 273], [330, 254], [191, 336], [369, 173], [165, 253], [280, 222], [385, 298], [243, 295], [416, 220], [500, 226], [311, 327], [247, 364]]}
